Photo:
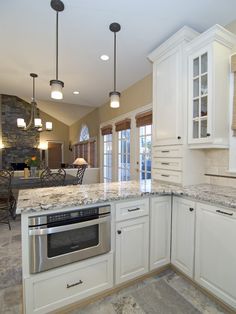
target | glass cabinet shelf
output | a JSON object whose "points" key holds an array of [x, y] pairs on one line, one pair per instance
{"points": [[200, 96]]}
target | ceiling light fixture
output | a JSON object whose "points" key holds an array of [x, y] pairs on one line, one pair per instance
{"points": [[76, 92], [104, 57], [114, 95], [57, 85], [33, 116]]}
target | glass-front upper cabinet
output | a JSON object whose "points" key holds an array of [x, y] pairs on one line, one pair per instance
{"points": [[199, 89], [208, 57]]}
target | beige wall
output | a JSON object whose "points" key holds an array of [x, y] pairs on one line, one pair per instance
{"points": [[137, 95], [59, 133]]}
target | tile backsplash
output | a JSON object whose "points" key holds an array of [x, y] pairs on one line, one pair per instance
{"points": [[217, 162]]}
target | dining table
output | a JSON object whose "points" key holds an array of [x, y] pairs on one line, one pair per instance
{"points": [[19, 183]]}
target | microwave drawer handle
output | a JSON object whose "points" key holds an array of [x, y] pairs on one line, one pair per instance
{"points": [[79, 225], [74, 284], [133, 209], [225, 213]]}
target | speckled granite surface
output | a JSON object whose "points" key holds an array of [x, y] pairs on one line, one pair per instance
{"points": [[76, 195]]}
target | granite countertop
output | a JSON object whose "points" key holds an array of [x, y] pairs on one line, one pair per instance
{"points": [[35, 200]]}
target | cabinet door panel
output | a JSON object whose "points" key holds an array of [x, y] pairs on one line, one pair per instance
{"points": [[183, 229], [167, 106], [132, 239], [216, 252], [160, 225]]}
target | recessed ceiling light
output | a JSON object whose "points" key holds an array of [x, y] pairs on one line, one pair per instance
{"points": [[76, 92], [104, 57]]}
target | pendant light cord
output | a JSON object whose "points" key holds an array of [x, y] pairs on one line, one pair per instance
{"points": [[114, 61], [57, 46]]}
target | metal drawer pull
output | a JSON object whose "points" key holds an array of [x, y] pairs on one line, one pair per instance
{"points": [[134, 209], [165, 175], [74, 284], [221, 212], [165, 163], [165, 151]]}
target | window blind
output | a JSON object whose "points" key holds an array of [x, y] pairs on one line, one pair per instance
{"points": [[144, 118], [123, 125], [106, 130]]}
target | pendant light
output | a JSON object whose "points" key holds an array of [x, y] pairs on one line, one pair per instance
{"points": [[37, 122], [114, 95], [57, 85]]}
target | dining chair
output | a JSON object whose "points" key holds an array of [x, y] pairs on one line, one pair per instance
{"points": [[49, 178], [5, 197], [80, 173]]}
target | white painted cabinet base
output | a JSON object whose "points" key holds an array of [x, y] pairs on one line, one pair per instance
{"points": [[183, 233], [132, 248], [160, 230], [54, 289], [215, 262]]}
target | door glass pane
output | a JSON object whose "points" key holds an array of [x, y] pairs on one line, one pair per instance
{"points": [[195, 129], [204, 63], [145, 145], [196, 88], [204, 85], [196, 67], [195, 108], [204, 128], [204, 106]]}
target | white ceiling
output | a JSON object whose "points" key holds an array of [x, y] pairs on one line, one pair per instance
{"points": [[27, 41]]}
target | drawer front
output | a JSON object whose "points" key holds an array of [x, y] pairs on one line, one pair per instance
{"points": [[167, 175], [132, 209], [167, 151], [64, 287], [167, 163]]}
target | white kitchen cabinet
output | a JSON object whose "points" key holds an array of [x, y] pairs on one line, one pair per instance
{"points": [[132, 248], [183, 234], [56, 288], [168, 88], [160, 231], [208, 88], [215, 259]]}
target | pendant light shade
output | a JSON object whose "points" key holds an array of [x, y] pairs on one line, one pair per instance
{"points": [[57, 85], [114, 95], [56, 89], [114, 99]]}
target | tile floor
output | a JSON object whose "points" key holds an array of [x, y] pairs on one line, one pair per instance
{"points": [[167, 293]]}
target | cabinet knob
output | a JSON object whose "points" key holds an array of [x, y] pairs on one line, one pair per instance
{"points": [[208, 134], [119, 231], [179, 137], [191, 209]]}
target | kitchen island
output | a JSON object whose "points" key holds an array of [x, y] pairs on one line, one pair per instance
{"points": [[152, 225]]}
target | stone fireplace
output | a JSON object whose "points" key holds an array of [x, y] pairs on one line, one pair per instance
{"points": [[18, 144]]}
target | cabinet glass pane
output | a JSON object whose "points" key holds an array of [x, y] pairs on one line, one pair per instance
{"points": [[204, 106], [196, 88], [196, 108], [196, 67], [204, 128], [195, 129], [204, 89], [204, 63]]}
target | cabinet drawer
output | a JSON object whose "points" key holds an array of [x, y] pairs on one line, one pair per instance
{"points": [[167, 163], [132, 209], [167, 151], [167, 175], [54, 289]]}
